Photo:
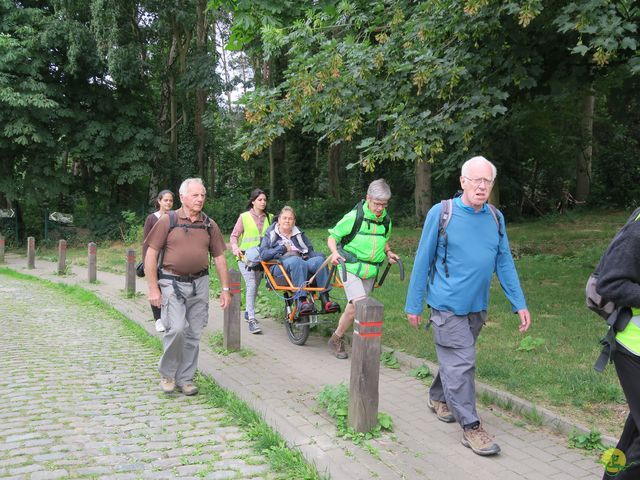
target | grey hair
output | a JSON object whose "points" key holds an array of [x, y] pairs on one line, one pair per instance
{"points": [[379, 190], [287, 208], [185, 185], [464, 171]]}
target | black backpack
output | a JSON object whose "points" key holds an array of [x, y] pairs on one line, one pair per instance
{"points": [[359, 208], [617, 317]]}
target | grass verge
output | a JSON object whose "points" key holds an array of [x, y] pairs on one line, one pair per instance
{"points": [[287, 462]]}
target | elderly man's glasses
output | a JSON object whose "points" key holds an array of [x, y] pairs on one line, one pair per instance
{"points": [[476, 182]]}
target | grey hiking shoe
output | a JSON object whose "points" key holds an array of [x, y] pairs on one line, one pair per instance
{"points": [[254, 326], [478, 440], [441, 410], [336, 344]]}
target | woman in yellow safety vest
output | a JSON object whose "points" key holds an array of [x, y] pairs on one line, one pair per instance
{"points": [[247, 232]]}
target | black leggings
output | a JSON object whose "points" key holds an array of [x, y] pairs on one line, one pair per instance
{"points": [[628, 369], [156, 312]]}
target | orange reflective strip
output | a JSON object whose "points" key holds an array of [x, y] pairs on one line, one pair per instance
{"points": [[369, 324], [369, 335]]}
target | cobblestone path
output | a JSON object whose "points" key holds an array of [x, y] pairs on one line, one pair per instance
{"points": [[79, 398]]}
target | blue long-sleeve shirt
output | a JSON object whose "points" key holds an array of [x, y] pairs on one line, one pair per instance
{"points": [[475, 251]]}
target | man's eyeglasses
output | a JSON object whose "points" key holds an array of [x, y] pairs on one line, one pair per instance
{"points": [[380, 204], [477, 181]]}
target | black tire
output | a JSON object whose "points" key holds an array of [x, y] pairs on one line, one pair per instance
{"points": [[298, 334]]}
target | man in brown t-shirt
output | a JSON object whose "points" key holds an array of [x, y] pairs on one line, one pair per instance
{"points": [[182, 289]]}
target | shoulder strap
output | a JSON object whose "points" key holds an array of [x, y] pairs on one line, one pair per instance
{"points": [[356, 224], [494, 213]]}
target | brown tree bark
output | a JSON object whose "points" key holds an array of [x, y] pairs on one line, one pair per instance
{"points": [[201, 95], [334, 158], [585, 155], [422, 191]]}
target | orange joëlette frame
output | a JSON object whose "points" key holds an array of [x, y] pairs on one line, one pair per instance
{"points": [[290, 287]]}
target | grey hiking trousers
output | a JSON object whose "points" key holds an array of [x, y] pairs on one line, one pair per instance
{"points": [[455, 337], [251, 281], [184, 318]]}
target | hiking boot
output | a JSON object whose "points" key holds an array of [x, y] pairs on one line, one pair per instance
{"points": [[441, 410], [188, 389], [254, 326], [167, 385], [336, 344], [478, 440], [306, 308]]}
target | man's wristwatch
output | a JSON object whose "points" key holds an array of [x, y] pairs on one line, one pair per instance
{"points": [[226, 289]]}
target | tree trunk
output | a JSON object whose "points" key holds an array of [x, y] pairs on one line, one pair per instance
{"points": [[494, 196], [422, 192], [272, 173], [173, 110], [201, 95], [583, 164], [225, 69], [335, 155]]}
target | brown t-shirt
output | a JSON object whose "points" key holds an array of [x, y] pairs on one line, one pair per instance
{"points": [[185, 249]]}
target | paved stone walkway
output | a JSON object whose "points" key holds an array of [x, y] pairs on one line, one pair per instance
{"points": [[79, 398], [281, 382]]}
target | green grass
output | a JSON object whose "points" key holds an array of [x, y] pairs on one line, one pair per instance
{"points": [[283, 460], [554, 368]]}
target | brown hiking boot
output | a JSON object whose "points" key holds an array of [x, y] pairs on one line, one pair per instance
{"points": [[188, 389], [441, 410], [478, 440], [336, 344], [167, 384]]}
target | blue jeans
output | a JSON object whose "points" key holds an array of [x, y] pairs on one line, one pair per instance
{"points": [[299, 270]]}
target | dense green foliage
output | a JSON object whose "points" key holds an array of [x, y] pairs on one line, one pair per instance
{"points": [[102, 104]]}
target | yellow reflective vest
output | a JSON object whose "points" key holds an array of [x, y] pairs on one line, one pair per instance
{"points": [[251, 236], [629, 338]]}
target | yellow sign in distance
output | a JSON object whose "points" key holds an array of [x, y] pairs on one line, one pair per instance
{"points": [[614, 460]]}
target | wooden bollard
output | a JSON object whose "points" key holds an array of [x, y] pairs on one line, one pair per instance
{"points": [[93, 262], [1, 249], [31, 253], [130, 276], [231, 325], [62, 257], [365, 365]]}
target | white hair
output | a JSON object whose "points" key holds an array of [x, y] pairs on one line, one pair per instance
{"points": [[379, 190], [185, 185], [464, 171]]}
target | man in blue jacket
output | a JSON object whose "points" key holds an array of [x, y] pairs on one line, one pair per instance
{"points": [[457, 290]]}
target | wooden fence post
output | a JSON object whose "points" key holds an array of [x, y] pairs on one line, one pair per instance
{"points": [[62, 257], [1, 249], [231, 326], [31, 253], [365, 365], [130, 276], [93, 262]]}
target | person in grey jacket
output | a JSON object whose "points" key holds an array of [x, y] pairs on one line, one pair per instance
{"points": [[285, 242], [619, 281]]}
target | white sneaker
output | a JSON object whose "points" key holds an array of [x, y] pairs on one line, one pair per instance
{"points": [[160, 326]]}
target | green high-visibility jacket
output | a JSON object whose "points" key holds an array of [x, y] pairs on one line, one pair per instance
{"points": [[368, 244]]}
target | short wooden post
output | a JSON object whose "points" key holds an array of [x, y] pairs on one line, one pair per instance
{"points": [[93, 262], [31, 253], [1, 249], [231, 326], [365, 365], [62, 257], [130, 276]]}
